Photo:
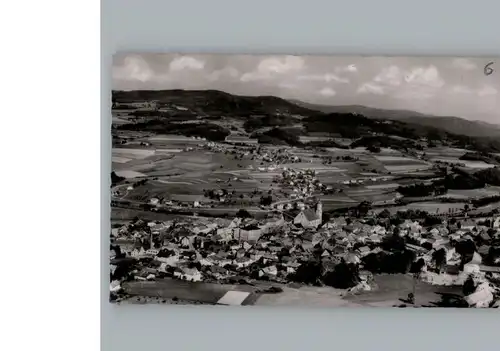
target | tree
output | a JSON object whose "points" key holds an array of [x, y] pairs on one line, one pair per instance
{"points": [[385, 213], [242, 213], [439, 258], [373, 148], [393, 242], [344, 276], [363, 208], [115, 178], [266, 200], [307, 273], [469, 286]]}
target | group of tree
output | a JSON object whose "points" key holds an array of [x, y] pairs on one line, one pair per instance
{"points": [[115, 179], [279, 136], [343, 275], [210, 131], [421, 189], [266, 200], [465, 180], [399, 261]]}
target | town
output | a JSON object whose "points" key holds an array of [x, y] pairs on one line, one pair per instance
{"points": [[237, 244], [341, 252]]}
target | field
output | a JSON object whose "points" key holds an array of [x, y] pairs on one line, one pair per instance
{"points": [[428, 206], [402, 164], [182, 169], [472, 193]]}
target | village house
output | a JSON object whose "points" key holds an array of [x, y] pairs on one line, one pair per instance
{"points": [[242, 262], [467, 225], [169, 261], [496, 223], [202, 229], [226, 234], [152, 252], [189, 274], [250, 233]]}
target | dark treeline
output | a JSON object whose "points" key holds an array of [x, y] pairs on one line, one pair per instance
{"points": [[210, 131]]}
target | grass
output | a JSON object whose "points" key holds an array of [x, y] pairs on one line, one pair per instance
{"points": [[390, 159], [472, 193], [391, 288], [407, 168]]}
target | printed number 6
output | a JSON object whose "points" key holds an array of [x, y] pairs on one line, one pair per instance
{"points": [[487, 69]]}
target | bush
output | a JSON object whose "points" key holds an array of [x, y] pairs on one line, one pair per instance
{"points": [[266, 200], [307, 273], [383, 262], [242, 213], [439, 258], [373, 148], [344, 276]]}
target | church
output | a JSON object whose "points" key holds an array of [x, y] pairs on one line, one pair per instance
{"points": [[310, 218]]}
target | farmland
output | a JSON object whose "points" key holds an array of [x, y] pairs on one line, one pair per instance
{"points": [[182, 169]]}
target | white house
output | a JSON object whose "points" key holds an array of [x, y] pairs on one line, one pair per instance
{"points": [[138, 253], [169, 261], [496, 223], [152, 252], [189, 274], [249, 233], [467, 225], [271, 270]]}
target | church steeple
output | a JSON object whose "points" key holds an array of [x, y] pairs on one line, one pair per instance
{"points": [[319, 210]]}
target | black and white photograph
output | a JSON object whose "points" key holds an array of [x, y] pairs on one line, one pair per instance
{"points": [[321, 181]]}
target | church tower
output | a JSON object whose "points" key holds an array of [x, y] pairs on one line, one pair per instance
{"points": [[319, 210]]}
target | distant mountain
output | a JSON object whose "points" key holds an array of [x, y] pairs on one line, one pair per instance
{"points": [[454, 125]]}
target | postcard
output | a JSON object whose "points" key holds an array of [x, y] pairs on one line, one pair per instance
{"points": [[283, 180]]}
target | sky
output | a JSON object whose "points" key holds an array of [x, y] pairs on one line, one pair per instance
{"points": [[432, 85]]}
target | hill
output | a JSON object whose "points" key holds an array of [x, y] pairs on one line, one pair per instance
{"points": [[454, 125], [214, 114], [213, 103]]}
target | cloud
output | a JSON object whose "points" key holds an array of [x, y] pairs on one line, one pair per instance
{"points": [[464, 64], [350, 68], [186, 63], [487, 90], [328, 77], [273, 66], [289, 86], [415, 93], [134, 68], [461, 89], [370, 88], [421, 76], [425, 77], [226, 72], [390, 75], [281, 65], [327, 92]]}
